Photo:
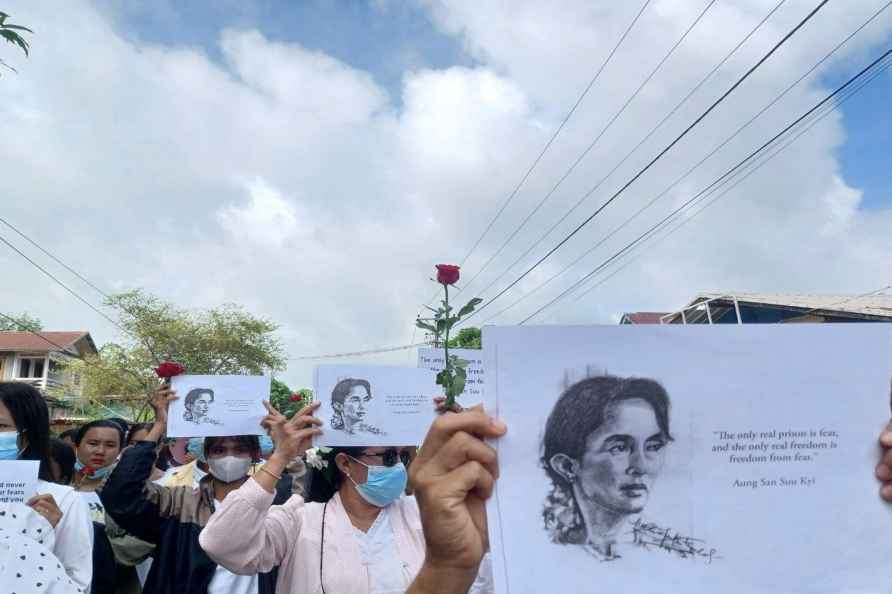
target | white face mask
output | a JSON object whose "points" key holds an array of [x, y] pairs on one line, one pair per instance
{"points": [[229, 468]]}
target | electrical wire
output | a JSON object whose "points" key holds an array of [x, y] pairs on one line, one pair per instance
{"points": [[659, 155], [593, 143], [710, 154], [641, 142], [721, 179]]}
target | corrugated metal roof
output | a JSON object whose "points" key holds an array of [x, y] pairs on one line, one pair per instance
{"points": [[873, 305], [30, 341], [644, 317]]}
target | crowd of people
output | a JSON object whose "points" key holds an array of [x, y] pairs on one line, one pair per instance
{"points": [[121, 508]]}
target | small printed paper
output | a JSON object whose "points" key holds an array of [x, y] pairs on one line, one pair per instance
{"points": [[18, 480], [433, 359], [698, 459], [368, 405], [218, 405]]}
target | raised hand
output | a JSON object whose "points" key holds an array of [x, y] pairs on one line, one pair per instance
{"points": [[292, 437], [160, 403], [884, 468], [46, 506], [453, 476]]}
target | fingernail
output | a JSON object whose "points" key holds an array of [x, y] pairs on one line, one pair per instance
{"points": [[884, 473], [498, 425], [886, 438], [886, 492]]}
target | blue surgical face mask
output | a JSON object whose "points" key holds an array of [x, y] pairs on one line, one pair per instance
{"points": [[196, 448], [9, 445], [266, 445], [98, 473], [385, 484]]}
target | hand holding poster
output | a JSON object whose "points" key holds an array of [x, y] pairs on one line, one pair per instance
{"points": [[217, 405], [370, 405], [18, 480], [434, 360], [696, 459]]}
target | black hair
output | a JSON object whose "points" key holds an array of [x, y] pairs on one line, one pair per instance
{"points": [[136, 428], [124, 423], [586, 405], [70, 434], [62, 454], [323, 484], [580, 410], [195, 394], [32, 418], [251, 441], [339, 395], [101, 423]]}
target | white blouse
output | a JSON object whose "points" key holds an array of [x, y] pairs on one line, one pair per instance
{"points": [[387, 573]]}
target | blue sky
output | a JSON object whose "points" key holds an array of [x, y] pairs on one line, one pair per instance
{"points": [[388, 37]]}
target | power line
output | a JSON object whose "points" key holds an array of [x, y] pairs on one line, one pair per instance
{"points": [[592, 145], [704, 159], [61, 284], [663, 152], [641, 142], [718, 181], [554, 136], [54, 258], [360, 353], [24, 328], [556, 132], [715, 199]]}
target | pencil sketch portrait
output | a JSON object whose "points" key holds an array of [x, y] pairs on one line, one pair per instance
{"points": [[197, 405], [604, 447], [351, 401]]}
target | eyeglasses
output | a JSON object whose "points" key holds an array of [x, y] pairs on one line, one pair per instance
{"points": [[391, 457]]}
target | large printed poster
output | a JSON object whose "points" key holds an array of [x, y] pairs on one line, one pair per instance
{"points": [[694, 459]]}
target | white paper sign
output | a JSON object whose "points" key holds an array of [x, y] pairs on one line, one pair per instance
{"points": [[218, 405], [690, 459], [18, 480], [368, 405], [474, 384]]}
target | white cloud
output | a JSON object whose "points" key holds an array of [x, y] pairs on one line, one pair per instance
{"points": [[130, 159]]}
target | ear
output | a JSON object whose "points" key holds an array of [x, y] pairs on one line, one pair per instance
{"points": [[565, 466], [342, 461]]}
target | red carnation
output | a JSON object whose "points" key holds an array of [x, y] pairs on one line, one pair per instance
{"points": [[447, 274], [295, 397], [168, 369]]}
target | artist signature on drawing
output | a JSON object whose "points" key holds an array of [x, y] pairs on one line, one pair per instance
{"points": [[651, 536]]}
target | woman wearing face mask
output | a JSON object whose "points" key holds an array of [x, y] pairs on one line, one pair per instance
{"points": [[58, 519], [172, 518], [356, 534]]}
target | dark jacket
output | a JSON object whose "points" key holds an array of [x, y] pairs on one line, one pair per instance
{"points": [[171, 519]]}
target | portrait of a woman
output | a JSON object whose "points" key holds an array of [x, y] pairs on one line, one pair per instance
{"points": [[604, 446]]}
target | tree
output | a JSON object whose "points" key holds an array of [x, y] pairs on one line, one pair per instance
{"points": [[11, 34], [283, 398], [216, 341], [23, 323], [467, 338]]}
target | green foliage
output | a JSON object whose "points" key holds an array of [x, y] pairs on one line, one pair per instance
{"points": [[281, 394], [23, 322], [216, 341], [453, 377], [467, 338], [11, 34]]}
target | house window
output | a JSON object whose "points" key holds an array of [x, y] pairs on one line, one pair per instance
{"points": [[31, 367]]}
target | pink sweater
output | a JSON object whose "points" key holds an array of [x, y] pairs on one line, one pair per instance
{"points": [[246, 536]]}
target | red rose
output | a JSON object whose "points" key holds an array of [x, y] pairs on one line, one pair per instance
{"points": [[295, 397], [168, 369], [447, 274]]}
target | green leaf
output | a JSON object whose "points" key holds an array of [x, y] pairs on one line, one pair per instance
{"points": [[425, 326], [469, 307], [459, 363], [443, 378], [441, 326], [458, 383]]}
